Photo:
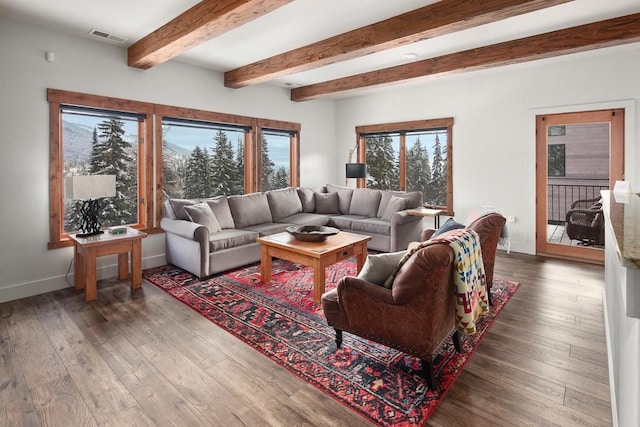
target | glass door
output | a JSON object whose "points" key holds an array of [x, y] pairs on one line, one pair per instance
{"points": [[578, 155]]}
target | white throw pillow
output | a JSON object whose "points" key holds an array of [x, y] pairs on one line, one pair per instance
{"points": [[377, 268]]}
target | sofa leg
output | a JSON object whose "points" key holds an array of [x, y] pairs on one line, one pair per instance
{"points": [[429, 376], [338, 337], [456, 341]]}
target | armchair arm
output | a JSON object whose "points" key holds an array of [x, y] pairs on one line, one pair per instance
{"points": [[584, 217], [584, 202], [426, 234]]}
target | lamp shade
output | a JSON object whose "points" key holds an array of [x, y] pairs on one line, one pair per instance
{"points": [[84, 187], [356, 170]]}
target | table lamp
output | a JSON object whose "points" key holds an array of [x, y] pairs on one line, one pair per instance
{"points": [[89, 188]]}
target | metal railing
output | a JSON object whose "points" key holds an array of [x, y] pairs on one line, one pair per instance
{"points": [[560, 197]]}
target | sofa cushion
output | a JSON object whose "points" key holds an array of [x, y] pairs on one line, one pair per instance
{"points": [[377, 268], [448, 225], [394, 205], [177, 205], [343, 222], [344, 196], [220, 207], [250, 209], [307, 199], [227, 239], [201, 213], [283, 202], [372, 225], [365, 202], [304, 218], [414, 199], [268, 228], [326, 203]]}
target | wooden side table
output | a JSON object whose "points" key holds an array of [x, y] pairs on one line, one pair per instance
{"points": [[435, 213], [87, 249]]}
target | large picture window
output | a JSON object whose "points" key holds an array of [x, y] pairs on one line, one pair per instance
{"points": [[186, 153], [278, 150], [410, 156], [92, 135], [202, 159], [206, 154]]}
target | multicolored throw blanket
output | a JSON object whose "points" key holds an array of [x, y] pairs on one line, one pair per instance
{"points": [[468, 275]]}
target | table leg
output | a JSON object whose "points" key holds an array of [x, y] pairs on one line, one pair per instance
{"points": [[436, 221], [318, 279], [265, 265], [123, 265], [361, 257], [79, 269], [91, 288], [136, 263]]}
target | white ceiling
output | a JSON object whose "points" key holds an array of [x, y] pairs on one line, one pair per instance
{"points": [[296, 24]]}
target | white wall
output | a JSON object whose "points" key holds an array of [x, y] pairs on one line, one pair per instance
{"points": [[494, 127], [493, 134], [84, 65]]}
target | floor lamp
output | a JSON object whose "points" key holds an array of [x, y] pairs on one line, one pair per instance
{"points": [[89, 188], [354, 170]]}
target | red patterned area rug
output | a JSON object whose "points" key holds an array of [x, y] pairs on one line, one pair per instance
{"points": [[280, 320]]}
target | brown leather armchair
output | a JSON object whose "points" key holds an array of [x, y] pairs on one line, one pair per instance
{"points": [[489, 228], [415, 316]]}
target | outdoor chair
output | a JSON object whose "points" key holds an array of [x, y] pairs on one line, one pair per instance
{"points": [[585, 221]]}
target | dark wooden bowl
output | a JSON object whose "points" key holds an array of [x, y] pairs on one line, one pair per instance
{"points": [[311, 233]]}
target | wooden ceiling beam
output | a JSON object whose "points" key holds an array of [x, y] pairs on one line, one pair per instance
{"points": [[612, 32], [202, 22], [443, 17]]}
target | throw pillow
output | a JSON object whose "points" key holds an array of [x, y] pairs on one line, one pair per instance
{"points": [[220, 208], [326, 203], [364, 202], [449, 225], [395, 204], [307, 199], [377, 268], [202, 214], [177, 205]]}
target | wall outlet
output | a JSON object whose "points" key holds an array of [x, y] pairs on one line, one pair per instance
{"points": [[511, 219]]}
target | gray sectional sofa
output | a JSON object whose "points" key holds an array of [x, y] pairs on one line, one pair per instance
{"points": [[208, 236]]}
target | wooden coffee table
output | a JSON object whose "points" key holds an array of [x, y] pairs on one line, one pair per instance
{"points": [[313, 254]]}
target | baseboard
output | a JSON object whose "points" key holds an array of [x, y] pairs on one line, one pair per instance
{"points": [[50, 284]]}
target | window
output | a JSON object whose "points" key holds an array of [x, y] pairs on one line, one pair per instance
{"points": [[277, 150], [202, 159], [206, 154], [92, 135], [186, 153], [556, 160], [410, 156]]}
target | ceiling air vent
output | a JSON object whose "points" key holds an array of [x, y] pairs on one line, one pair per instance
{"points": [[103, 35]]}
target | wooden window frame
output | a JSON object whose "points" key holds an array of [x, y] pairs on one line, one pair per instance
{"points": [[56, 98], [252, 145], [294, 149], [402, 128], [150, 153]]}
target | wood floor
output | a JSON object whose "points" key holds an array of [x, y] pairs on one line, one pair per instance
{"points": [[145, 359]]}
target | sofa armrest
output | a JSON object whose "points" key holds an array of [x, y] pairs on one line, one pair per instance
{"points": [[405, 229], [186, 229], [187, 245]]}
